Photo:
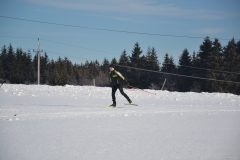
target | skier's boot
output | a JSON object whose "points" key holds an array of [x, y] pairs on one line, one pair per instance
{"points": [[130, 102], [113, 105]]}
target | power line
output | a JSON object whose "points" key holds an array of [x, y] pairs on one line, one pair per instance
{"points": [[19, 37], [62, 44], [57, 53], [177, 74], [109, 30], [211, 69], [77, 46]]}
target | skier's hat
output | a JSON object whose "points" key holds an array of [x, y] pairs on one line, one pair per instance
{"points": [[112, 65]]}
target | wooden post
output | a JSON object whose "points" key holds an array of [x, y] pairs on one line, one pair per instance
{"points": [[164, 84]]}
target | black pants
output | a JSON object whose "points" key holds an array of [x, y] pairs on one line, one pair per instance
{"points": [[114, 89]]}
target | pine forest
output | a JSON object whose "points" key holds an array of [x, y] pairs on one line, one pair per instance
{"points": [[214, 68]]}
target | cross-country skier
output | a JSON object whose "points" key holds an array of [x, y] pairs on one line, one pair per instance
{"points": [[116, 80]]}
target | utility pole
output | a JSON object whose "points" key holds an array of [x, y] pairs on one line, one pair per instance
{"points": [[38, 52], [38, 62]]}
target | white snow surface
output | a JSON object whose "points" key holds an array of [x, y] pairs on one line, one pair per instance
{"points": [[41, 122]]}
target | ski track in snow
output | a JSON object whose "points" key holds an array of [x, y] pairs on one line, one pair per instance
{"points": [[72, 122]]}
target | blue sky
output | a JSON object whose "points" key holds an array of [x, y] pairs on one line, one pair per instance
{"points": [[214, 18]]}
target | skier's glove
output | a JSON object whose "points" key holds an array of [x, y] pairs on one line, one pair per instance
{"points": [[128, 85]]}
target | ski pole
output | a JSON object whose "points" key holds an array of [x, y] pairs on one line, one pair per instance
{"points": [[143, 90]]}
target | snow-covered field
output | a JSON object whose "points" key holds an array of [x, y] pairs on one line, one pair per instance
{"points": [[72, 122]]}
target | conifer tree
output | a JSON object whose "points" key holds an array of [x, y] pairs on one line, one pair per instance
{"points": [[136, 55], [29, 68], [11, 64], [238, 70], [205, 50], [62, 71], [76, 74], [43, 68], [19, 71], [203, 62], [56, 74], [136, 61], [230, 64], [166, 64], [93, 70], [51, 72], [230, 56], [114, 61], [3, 58], [152, 64], [100, 76], [69, 70], [214, 64], [184, 83], [144, 82], [105, 66], [149, 61], [104, 70], [35, 65], [124, 61], [185, 61], [152, 59], [238, 48], [194, 59], [1, 69], [196, 86], [172, 65]]}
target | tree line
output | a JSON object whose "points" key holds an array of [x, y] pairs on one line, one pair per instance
{"points": [[215, 68]]}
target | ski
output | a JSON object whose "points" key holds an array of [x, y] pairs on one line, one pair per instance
{"points": [[112, 107], [122, 107], [130, 104]]}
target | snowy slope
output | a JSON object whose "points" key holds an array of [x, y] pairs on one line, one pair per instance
{"points": [[72, 122]]}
